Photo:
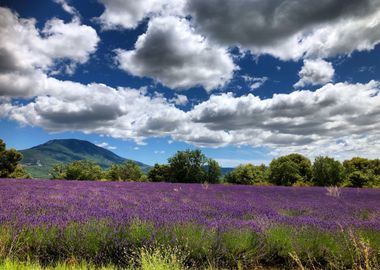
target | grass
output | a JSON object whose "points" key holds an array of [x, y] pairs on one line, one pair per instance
{"points": [[97, 245]]}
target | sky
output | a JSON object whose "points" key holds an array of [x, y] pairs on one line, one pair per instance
{"points": [[243, 80]]}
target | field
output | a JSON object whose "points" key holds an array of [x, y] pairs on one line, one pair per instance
{"points": [[119, 224]]}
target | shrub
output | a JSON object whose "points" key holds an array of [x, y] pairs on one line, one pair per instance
{"points": [[128, 171], [327, 172], [192, 166], [358, 179], [287, 170], [159, 173], [9, 163], [247, 174]]}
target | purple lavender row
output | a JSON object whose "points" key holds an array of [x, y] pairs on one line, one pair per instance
{"points": [[58, 203]]}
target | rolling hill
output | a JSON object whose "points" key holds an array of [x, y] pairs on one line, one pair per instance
{"points": [[38, 160]]}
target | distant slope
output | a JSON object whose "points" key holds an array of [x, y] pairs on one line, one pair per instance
{"points": [[38, 160]]}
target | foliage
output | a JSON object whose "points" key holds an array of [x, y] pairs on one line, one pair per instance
{"points": [[9, 163], [247, 174], [128, 171], [327, 172], [290, 169], [213, 171], [358, 179], [362, 172], [77, 170], [159, 173], [20, 172], [192, 166]]}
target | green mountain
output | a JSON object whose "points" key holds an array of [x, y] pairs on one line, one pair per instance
{"points": [[38, 160]]}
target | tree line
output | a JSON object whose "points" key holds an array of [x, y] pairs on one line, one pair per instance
{"points": [[192, 166]]}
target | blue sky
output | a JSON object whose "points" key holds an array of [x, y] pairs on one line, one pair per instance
{"points": [[244, 80]]}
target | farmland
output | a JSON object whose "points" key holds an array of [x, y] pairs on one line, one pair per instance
{"points": [[223, 226]]}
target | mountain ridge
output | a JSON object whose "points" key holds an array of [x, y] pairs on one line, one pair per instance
{"points": [[39, 159]]}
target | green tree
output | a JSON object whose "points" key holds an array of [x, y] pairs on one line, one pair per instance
{"points": [[304, 166], [247, 174], [83, 170], [213, 172], [287, 170], [9, 163], [358, 179], [327, 172], [159, 173], [20, 172], [188, 167], [58, 171], [362, 172], [357, 164], [128, 171], [283, 171]]}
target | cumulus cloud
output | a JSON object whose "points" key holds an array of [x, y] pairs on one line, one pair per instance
{"points": [[337, 119], [254, 82], [24, 47], [106, 145], [315, 72], [174, 55], [290, 29], [179, 99], [68, 8], [128, 14], [299, 121]]}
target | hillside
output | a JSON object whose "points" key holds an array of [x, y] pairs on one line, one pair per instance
{"points": [[39, 159]]}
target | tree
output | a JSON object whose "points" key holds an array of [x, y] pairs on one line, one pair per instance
{"points": [[287, 170], [159, 173], [356, 164], [304, 166], [128, 171], [362, 172], [83, 170], [213, 172], [188, 167], [283, 171], [20, 172], [58, 171], [358, 179], [327, 172], [9, 163], [247, 174]]}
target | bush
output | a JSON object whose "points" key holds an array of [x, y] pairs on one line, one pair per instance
{"points": [[248, 174], [159, 173], [128, 171], [358, 179], [192, 166], [9, 163], [287, 170], [327, 172], [77, 170]]}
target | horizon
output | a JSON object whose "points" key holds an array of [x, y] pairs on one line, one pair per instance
{"points": [[145, 81]]}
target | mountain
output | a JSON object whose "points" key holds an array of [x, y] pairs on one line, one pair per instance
{"points": [[38, 160]]}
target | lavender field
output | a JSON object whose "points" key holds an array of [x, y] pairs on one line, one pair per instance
{"points": [[97, 221], [40, 202]]}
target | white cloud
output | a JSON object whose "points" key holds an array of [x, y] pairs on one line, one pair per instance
{"points": [[68, 8], [24, 48], [231, 163], [254, 82], [308, 122], [106, 145], [174, 55], [128, 14], [179, 99], [290, 29], [315, 72]]}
